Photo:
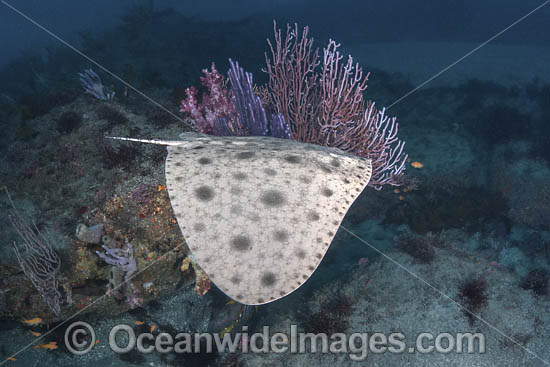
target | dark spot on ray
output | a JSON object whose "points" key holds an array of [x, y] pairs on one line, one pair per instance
{"points": [[281, 293], [335, 162], [300, 253], [313, 216], [280, 235], [270, 172], [346, 181], [244, 155], [311, 268], [304, 276], [211, 275], [236, 190], [268, 279], [357, 189], [319, 255], [204, 193], [217, 175], [239, 175], [179, 179], [239, 296], [260, 300], [326, 192], [319, 239], [331, 234], [235, 279], [198, 147], [199, 227], [204, 160], [305, 179], [178, 164], [335, 222], [272, 198], [240, 243], [291, 158]]}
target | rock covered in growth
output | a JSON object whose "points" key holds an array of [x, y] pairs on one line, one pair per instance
{"points": [[90, 235]]}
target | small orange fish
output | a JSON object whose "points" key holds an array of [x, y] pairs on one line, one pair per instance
{"points": [[50, 346], [11, 359], [153, 328], [35, 333], [396, 191], [35, 321], [405, 189], [159, 188], [97, 342], [140, 322], [417, 164], [401, 197]]}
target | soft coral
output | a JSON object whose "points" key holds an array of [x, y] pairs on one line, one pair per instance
{"points": [[214, 104]]}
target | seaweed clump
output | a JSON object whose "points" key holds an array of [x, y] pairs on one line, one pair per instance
{"points": [[331, 318], [68, 121], [537, 281], [123, 157], [474, 296], [112, 116], [421, 248]]}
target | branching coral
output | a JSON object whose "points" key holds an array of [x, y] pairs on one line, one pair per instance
{"points": [[232, 112], [327, 107], [39, 262], [312, 100]]}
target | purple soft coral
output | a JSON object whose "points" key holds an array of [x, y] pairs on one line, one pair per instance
{"points": [[232, 112], [120, 258]]}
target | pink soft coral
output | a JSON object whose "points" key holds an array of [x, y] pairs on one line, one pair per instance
{"points": [[214, 104]]}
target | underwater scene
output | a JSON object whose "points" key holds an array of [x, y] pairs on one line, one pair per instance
{"points": [[275, 183]]}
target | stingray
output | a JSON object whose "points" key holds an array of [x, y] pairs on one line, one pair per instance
{"points": [[259, 213]]}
